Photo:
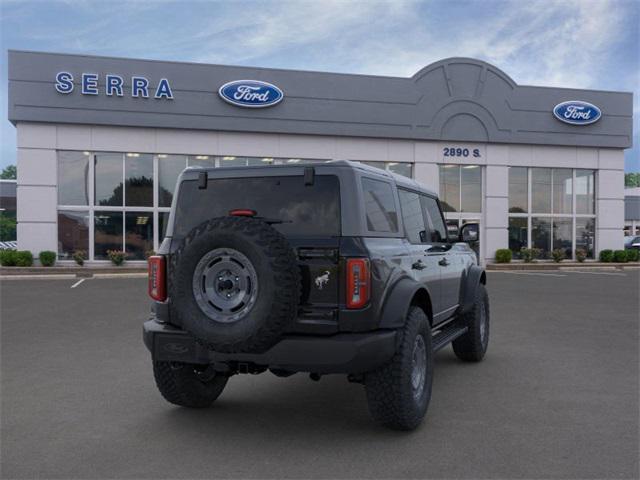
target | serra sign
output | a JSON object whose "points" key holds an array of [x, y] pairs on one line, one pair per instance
{"points": [[113, 85]]}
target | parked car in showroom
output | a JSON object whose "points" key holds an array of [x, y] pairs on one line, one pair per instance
{"points": [[632, 241]]}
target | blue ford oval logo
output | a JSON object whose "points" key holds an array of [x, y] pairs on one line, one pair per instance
{"points": [[251, 93], [577, 112]]}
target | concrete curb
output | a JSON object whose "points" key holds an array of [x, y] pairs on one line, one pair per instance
{"points": [[497, 267], [81, 272], [55, 276]]}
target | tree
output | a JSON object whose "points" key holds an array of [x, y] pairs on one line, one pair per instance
{"points": [[632, 180], [9, 173]]}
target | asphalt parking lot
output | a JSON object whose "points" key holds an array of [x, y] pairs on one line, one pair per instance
{"points": [[556, 397]]}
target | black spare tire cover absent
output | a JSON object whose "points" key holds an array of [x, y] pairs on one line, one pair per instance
{"points": [[234, 284]]}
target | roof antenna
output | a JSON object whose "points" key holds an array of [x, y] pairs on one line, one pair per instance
{"points": [[309, 175]]}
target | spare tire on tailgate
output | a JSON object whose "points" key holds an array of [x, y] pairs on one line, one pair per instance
{"points": [[234, 284]]}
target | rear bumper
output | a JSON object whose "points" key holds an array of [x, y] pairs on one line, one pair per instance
{"points": [[340, 353]]}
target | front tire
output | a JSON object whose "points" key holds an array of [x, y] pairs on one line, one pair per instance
{"points": [[183, 384], [472, 346], [398, 394]]}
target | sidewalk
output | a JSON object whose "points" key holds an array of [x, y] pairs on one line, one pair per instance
{"points": [[539, 265]]}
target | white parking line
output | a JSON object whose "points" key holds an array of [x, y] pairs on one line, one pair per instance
{"points": [[531, 273], [598, 273], [78, 283]]}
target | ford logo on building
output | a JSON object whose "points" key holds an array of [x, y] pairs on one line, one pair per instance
{"points": [[250, 93], [577, 112]]}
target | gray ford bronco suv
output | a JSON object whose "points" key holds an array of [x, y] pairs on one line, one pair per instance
{"points": [[323, 268]]}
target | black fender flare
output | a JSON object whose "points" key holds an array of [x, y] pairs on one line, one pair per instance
{"points": [[474, 277], [398, 301]]}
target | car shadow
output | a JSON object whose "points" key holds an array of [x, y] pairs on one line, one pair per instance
{"points": [[294, 406]]}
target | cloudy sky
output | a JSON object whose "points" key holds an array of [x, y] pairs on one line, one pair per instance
{"points": [[567, 43]]}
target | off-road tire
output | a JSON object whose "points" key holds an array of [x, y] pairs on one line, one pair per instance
{"points": [[389, 390], [279, 283], [180, 384], [472, 346]]}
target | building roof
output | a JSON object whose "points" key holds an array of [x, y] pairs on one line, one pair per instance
{"points": [[7, 188], [456, 99]]}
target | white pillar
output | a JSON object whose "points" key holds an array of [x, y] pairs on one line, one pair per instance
{"points": [[37, 188], [610, 200], [496, 210]]}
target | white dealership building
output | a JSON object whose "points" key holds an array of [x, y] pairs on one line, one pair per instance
{"points": [[101, 142]]}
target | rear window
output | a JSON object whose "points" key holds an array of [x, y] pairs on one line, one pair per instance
{"points": [[305, 210], [380, 207]]}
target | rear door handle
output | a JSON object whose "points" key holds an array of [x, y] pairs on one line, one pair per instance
{"points": [[444, 262], [418, 265]]}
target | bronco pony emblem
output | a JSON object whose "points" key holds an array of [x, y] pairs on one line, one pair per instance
{"points": [[322, 280]]}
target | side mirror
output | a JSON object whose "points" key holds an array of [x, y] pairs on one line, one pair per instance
{"points": [[470, 232], [452, 231]]}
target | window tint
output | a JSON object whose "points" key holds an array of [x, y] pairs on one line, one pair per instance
{"points": [[380, 207], [138, 172], [169, 167], [304, 210], [108, 233], [437, 228], [138, 234], [450, 187], [73, 233], [108, 179], [412, 216], [73, 178], [518, 190]]}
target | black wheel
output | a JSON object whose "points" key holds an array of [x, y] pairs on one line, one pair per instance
{"points": [[398, 394], [187, 385], [235, 284], [472, 346]]}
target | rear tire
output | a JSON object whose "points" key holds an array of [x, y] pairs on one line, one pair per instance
{"points": [[472, 346], [398, 394], [181, 384]]}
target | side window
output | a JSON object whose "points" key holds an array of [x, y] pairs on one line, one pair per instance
{"points": [[412, 216], [437, 227], [380, 208]]}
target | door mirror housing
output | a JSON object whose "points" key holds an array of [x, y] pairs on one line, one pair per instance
{"points": [[470, 232]]}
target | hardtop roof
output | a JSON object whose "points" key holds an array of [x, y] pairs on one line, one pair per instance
{"points": [[399, 180]]}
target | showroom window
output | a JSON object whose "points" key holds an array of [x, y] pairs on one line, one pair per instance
{"points": [[551, 208], [461, 194], [401, 168], [121, 200]]}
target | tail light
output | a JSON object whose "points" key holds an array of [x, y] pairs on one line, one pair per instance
{"points": [[157, 278], [242, 212], [358, 282]]}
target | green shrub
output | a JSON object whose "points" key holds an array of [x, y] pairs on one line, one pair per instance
{"points": [[8, 258], [503, 255], [526, 254], [24, 258], [47, 258], [606, 255], [620, 256], [633, 255], [80, 256], [558, 255], [581, 254], [117, 257], [530, 254]]}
